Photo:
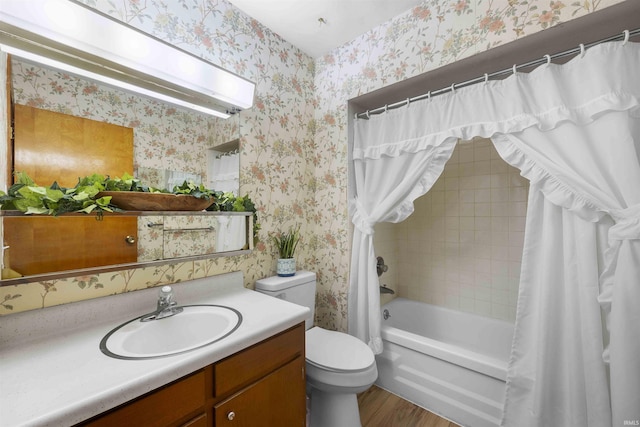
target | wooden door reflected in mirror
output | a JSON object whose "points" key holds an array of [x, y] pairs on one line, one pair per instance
{"points": [[50, 147]]}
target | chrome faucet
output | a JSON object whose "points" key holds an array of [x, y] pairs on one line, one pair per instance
{"points": [[167, 307], [385, 290]]}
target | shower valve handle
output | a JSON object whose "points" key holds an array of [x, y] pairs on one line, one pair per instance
{"points": [[381, 267]]}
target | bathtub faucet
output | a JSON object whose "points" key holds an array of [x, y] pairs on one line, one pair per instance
{"points": [[385, 290], [386, 314]]}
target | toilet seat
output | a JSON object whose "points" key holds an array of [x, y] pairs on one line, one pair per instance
{"points": [[337, 352]]}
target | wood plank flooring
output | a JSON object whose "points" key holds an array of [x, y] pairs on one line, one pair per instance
{"points": [[379, 408]]}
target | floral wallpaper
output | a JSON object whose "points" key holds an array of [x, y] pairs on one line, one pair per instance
{"points": [[276, 137], [293, 141]]}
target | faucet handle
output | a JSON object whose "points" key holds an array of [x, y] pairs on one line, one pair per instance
{"points": [[165, 296], [166, 306], [381, 267]]}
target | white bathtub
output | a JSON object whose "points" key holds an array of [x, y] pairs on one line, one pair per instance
{"points": [[449, 362]]}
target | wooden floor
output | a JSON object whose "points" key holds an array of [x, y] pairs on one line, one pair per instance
{"points": [[379, 408]]}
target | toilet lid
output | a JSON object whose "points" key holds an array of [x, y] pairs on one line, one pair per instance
{"points": [[337, 351]]}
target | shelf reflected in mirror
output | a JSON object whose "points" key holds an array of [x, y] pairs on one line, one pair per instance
{"points": [[162, 237]]}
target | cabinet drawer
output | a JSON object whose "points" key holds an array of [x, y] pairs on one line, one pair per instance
{"points": [[277, 400], [160, 408], [253, 363]]}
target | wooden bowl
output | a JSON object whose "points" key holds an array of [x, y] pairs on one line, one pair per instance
{"points": [[140, 201]]}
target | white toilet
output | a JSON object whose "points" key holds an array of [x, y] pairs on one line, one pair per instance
{"points": [[338, 365]]}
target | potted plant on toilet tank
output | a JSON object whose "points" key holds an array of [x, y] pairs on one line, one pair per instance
{"points": [[286, 242]]}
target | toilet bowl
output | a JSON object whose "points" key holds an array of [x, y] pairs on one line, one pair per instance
{"points": [[338, 365]]}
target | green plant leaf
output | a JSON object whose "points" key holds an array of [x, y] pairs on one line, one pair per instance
{"points": [[88, 209], [36, 210], [24, 179], [287, 242]]}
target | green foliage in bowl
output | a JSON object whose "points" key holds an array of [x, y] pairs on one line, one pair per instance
{"points": [[30, 198]]}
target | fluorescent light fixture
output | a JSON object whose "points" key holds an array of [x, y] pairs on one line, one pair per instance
{"points": [[30, 57], [74, 38]]}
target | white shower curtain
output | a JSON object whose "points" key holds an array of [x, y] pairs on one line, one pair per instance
{"points": [[225, 173], [385, 194], [574, 132]]}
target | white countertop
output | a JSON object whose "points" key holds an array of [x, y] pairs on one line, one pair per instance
{"points": [[52, 372]]}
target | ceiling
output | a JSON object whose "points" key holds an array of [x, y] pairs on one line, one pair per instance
{"points": [[318, 26]]}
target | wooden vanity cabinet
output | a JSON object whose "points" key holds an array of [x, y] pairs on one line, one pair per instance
{"points": [[263, 385]]}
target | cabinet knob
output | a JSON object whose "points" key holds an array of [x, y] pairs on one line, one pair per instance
{"points": [[130, 240], [231, 415]]}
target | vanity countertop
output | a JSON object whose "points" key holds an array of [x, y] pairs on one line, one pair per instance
{"points": [[54, 374]]}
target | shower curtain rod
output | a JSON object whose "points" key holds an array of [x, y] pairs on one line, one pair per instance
{"points": [[545, 59]]}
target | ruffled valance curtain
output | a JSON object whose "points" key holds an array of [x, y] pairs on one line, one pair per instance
{"points": [[574, 131]]}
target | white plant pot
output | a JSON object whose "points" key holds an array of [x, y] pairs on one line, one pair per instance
{"points": [[286, 267]]}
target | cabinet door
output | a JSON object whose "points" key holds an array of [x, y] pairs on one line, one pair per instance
{"points": [[45, 244], [277, 400]]}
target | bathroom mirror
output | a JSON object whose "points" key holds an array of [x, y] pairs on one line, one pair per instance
{"points": [[163, 141]]}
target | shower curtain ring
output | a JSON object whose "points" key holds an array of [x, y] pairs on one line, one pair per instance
{"points": [[548, 57], [626, 37], [367, 114], [386, 107], [453, 88], [582, 50], [408, 101], [486, 78], [515, 68]]}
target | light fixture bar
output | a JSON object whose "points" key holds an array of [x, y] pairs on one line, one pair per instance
{"points": [[69, 33], [37, 59]]}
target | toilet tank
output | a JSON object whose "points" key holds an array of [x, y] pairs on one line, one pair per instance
{"points": [[299, 289]]}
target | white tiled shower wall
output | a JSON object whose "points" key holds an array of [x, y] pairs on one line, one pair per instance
{"points": [[462, 247]]}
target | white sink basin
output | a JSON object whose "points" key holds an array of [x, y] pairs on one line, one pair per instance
{"points": [[196, 326]]}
